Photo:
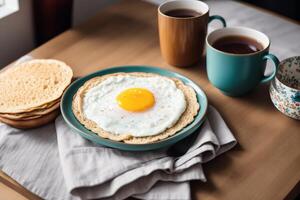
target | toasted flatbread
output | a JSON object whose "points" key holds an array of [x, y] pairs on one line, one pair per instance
{"points": [[31, 123], [32, 114], [33, 85]]}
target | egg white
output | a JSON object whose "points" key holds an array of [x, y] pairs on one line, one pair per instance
{"points": [[100, 105]]}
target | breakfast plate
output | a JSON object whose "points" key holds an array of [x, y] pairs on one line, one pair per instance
{"points": [[69, 117]]}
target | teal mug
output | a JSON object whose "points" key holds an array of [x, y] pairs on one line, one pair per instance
{"points": [[237, 74]]}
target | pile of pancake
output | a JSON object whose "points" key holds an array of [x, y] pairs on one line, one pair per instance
{"points": [[31, 92], [136, 107]]}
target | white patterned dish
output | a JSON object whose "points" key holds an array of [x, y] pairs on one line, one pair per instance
{"points": [[285, 88]]}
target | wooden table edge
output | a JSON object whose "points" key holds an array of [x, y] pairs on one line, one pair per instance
{"points": [[14, 185]]}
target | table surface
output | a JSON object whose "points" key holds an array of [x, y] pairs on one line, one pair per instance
{"points": [[265, 164]]}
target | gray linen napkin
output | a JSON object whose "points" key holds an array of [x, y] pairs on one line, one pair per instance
{"points": [[56, 163], [93, 171]]}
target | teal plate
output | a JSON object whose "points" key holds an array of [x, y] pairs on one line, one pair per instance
{"points": [[67, 113]]}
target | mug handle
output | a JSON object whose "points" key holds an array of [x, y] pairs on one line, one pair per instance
{"points": [[296, 97], [275, 62], [217, 17]]}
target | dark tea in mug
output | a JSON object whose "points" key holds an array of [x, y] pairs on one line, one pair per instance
{"points": [[183, 13], [236, 44]]}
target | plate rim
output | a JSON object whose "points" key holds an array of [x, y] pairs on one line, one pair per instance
{"points": [[91, 136]]}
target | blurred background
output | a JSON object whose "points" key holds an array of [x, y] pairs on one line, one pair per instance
{"points": [[26, 24]]}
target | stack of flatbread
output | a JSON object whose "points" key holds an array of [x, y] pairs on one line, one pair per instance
{"points": [[30, 92]]}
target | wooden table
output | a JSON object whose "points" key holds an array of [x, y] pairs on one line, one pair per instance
{"points": [[266, 163]]}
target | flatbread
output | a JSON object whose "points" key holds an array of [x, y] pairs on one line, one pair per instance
{"points": [[33, 85], [32, 114], [186, 118], [33, 123]]}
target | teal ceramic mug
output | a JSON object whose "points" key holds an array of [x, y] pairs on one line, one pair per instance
{"points": [[237, 74]]}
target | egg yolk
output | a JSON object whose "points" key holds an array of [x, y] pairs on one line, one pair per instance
{"points": [[135, 99]]}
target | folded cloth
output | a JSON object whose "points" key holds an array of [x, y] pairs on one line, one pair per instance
{"points": [[55, 163], [93, 171]]}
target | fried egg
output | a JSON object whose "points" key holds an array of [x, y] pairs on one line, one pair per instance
{"points": [[139, 106]]}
